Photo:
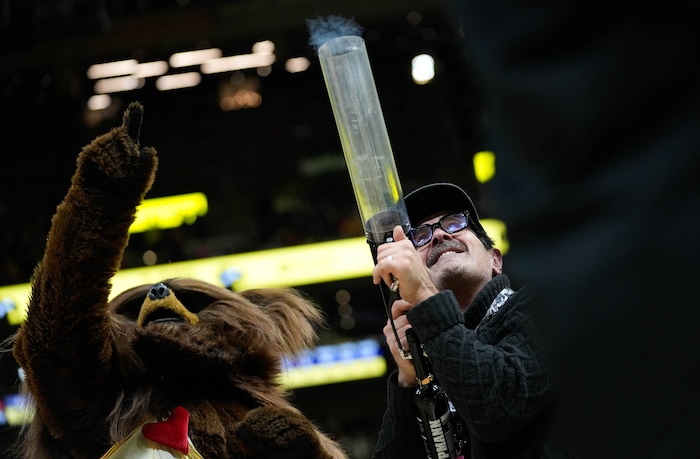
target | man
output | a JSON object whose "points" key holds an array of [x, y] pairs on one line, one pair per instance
{"points": [[477, 334]]}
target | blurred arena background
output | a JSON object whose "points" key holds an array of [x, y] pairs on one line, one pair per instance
{"points": [[257, 140]]}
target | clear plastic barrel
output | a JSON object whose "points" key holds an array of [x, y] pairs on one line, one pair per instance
{"points": [[363, 135]]}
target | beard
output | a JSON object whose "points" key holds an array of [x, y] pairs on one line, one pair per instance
{"points": [[451, 276], [461, 272]]}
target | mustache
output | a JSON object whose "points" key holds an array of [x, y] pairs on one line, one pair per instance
{"points": [[443, 247]]}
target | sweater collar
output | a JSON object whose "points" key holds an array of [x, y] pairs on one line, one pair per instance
{"points": [[477, 309]]}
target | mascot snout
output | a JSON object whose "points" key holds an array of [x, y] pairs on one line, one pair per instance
{"points": [[158, 291], [161, 305]]}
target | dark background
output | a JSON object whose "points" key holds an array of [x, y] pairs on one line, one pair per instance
{"points": [[274, 175]]}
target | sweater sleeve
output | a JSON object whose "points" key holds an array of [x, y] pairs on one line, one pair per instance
{"points": [[399, 435], [494, 376]]}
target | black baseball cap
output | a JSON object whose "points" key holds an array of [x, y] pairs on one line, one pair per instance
{"points": [[430, 199]]}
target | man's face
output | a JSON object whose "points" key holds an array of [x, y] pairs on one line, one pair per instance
{"points": [[458, 257]]}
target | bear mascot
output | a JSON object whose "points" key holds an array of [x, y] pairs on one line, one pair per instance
{"points": [[182, 368]]}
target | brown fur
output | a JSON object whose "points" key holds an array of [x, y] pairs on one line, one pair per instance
{"points": [[95, 370]]}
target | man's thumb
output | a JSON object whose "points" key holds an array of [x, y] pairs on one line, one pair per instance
{"points": [[399, 235]]}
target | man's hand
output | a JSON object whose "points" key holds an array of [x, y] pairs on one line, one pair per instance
{"points": [[407, 372], [400, 261]]}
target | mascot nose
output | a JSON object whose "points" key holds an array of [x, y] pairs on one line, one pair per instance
{"points": [[158, 291]]}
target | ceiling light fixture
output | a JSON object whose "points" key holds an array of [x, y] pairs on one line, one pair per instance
{"points": [[150, 69], [178, 81], [423, 69], [297, 64], [99, 102], [238, 62], [188, 58], [111, 69], [117, 84]]}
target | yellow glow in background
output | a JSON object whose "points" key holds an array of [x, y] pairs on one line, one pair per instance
{"points": [[289, 266], [484, 166], [169, 212], [283, 267]]}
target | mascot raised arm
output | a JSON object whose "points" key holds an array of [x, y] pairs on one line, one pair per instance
{"points": [[182, 368]]}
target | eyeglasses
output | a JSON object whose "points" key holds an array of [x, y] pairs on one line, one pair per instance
{"points": [[450, 224]]}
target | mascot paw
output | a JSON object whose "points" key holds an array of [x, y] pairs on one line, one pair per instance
{"points": [[272, 432], [118, 157], [131, 121]]}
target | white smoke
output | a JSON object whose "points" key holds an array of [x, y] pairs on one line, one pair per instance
{"points": [[322, 30]]}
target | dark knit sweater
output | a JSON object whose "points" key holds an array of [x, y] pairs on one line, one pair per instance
{"points": [[493, 375]]}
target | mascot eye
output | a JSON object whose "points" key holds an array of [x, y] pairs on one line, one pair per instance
{"points": [[194, 301], [130, 308]]}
